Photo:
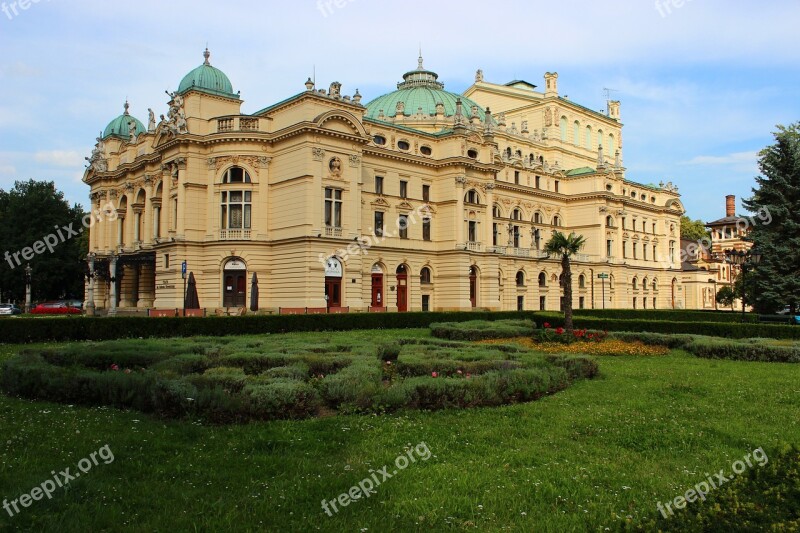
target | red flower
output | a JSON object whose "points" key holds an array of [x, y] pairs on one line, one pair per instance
{"points": [[547, 325], [559, 330], [114, 367], [434, 374]]}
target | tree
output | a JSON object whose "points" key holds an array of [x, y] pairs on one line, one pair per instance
{"points": [[565, 247], [31, 212], [693, 230], [775, 227], [726, 296]]}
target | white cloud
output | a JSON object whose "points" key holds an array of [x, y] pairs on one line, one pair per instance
{"points": [[7, 170], [59, 158], [729, 159]]}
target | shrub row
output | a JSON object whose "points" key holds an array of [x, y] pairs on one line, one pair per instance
{"points": [[477, 330], [712, 329], [743, 351], [670, 315], [26, 330]]}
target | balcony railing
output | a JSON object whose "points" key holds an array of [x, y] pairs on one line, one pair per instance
{"points": [[225, 125], [519, 252], [538, 254], [331, 231], [234, 234], [497, 250], [472, 246]]}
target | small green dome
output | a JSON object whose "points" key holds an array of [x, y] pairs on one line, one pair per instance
{"points": [[120, 126], [207, 79], [420, 88]]}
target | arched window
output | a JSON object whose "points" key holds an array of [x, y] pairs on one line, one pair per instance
{"points": [[563, 125], [508, 153], [599, 138], [518, 153], [520, 279], [542, 279], [611, 146], [576, 133], [472, 197], [557, 220], [635, 284], [496, 212], [537, 218], [609, 221], [582, 281], [516, 215], [588, 140], [236, 175], [425, 275], [655, 286], [645, 284]]}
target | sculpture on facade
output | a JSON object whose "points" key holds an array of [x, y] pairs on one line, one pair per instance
{"points": [[96, 161], [176, 117], [132, 131], [151, 121]]}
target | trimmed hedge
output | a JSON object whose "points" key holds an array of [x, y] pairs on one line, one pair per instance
{"points": [[478, 330], [669, 315], [743, 351], [27, 330]]}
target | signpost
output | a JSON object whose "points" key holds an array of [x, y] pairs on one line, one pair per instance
{"points": [[603, 277], [183, 275]]}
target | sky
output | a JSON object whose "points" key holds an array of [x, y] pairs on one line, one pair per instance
{"points": [[702, 83]]}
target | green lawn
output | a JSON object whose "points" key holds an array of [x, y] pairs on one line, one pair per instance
{"points": [[644, 431]]}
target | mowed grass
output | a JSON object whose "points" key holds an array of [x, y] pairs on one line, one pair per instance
{"points": [[645, 430]]}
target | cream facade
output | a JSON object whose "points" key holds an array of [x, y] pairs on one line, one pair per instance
{"points": [[419, 200]]}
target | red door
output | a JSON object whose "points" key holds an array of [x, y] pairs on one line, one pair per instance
{"points": [[377, 290], [402, 289], [333, 292]]}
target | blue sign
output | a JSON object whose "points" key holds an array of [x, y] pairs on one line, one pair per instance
{"points": [[183, 270]]}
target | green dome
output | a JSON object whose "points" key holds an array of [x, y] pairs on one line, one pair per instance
{"points": [[207, 79], [420, 89], [119, 127]]}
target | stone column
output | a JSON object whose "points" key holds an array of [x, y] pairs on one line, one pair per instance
{"points": [[488, 233], [90, 307], [147, 286], [459, 222], [112, 297], [129, 284]]}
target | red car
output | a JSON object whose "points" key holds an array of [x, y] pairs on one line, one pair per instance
{"points": [[55, 308]]}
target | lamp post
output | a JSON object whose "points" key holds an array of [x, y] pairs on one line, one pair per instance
{"points": [[28, 277]]}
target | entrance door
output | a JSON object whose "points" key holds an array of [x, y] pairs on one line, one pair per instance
{"points": [[402, 289], [333, 291], [235, 289], [377, 290], [473, 286]]}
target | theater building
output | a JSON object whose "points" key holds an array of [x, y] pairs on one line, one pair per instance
{"points": [[420, 199]]}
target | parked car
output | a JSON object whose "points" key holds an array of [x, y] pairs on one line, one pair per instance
{"points": [[55, 308], [9, 309], [77, 304], [785, 311]]}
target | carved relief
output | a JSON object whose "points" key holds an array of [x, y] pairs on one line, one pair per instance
{"points": [[318, 154], [335, 167], [355, 160]]}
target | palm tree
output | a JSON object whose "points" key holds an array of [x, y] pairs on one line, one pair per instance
{"points": [[565, 246]]}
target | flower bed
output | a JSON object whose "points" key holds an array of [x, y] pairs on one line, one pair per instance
{"points": [[607, 347]]}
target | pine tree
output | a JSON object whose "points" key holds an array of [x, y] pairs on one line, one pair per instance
{"points": [[776, 224]]}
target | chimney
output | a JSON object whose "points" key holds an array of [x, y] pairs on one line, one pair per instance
{"points": [[730, 205]]}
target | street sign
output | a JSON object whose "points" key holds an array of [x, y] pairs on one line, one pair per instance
{"points": [[602, 276], [183, 270]]}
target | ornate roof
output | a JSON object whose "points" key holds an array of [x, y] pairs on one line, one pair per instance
{"points": [[120, 126], [420, 88], [207, 79]]}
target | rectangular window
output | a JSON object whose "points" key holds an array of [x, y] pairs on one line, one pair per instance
{"points": [[426, 193], [520, 303], [426, 229], [671, 251], [654, 253], [403, 189], [542, 302], [426, 302], [402, 225], [609, 248], [166, 260], [494, 234], [581, 302], [236, 210], [473, 231], [644, 252], [516, 236], [378, 184], [556, 184], [624, 249], [635, 247], [379, 223], [516, 177], [333, 207], [623, 222], [538, 182], [654, 228]]}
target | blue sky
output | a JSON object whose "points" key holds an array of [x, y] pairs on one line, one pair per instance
{"points": [[703, 83]]}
